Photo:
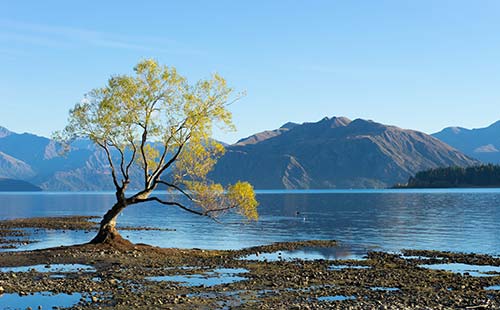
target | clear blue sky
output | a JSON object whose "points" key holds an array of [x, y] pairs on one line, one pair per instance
{"points": [[421, 64]]}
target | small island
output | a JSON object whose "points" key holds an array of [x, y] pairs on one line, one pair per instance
{"points": [[456, 177]]}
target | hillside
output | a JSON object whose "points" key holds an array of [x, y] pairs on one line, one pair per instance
{"points": [[332, 153], [480, 143], [11, 185], [38, 160], [335, 153]]}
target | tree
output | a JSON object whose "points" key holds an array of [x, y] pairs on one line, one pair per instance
{"points": [[155, 126]]}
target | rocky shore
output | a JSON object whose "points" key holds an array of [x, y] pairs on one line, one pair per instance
{"points": [[144, 277]]}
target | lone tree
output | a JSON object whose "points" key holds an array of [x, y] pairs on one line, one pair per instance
{"points": [[155, 129]]}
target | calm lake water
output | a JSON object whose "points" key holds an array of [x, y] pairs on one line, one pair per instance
{"points": [[390, 220]]}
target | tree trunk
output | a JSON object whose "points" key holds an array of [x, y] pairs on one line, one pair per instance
{"points": [[107, 229]]}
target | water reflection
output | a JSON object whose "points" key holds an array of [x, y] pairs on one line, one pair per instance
{"points": [[311, 253], [50, 268], [472, 270], [43, 300], [336, 298], [216, 277], [450, 220]]}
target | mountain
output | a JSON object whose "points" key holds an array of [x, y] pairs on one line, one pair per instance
{"points": [[38, 160], [261, 136], [480, 143], [331, 153], [11, 167], [334, 153], [4, 132], [11, 185]]}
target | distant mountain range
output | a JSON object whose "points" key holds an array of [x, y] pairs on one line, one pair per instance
{"points": [[334, 153], [10, 185], [37, 160], [331, 153], [480, 143]]}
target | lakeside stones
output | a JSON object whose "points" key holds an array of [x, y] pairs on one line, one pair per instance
{"points": [[118, 279], [269, 285], [18, 232]]}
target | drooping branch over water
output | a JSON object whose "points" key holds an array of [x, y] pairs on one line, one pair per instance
{"points": [[155, 129]]}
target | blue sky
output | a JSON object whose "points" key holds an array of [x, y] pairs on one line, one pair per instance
{"points": [[422, 64]]}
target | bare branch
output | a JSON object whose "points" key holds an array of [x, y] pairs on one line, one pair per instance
{"points": [[160, 163], [111, 164], [219, 209], [143, 153], [177, 188], [134, 152], [156, 174], [170, 162], [170, 203], [122, 160]]}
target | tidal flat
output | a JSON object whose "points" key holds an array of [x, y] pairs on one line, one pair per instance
{"points": [[140, 276]]}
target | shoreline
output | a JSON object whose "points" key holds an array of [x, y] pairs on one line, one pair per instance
{"points": [[122, 277]]}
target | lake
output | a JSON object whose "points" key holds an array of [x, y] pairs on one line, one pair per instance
{"points": [[462, 220]]}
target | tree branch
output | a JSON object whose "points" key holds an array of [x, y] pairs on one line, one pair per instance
{"points": [[219, 209], [122, 161], [145, 161], [170, 203], [169, 163], [134, 152], [156, 174], [111, 164], [160, 163], [177, 188]]}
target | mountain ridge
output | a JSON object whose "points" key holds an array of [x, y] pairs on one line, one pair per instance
{"points": [[481, 143], [336, 153]]}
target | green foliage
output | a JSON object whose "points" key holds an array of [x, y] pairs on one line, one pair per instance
{"points": [[476, 176], [154, 120]]}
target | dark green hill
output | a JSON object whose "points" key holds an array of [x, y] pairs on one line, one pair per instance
{"points": [[476, 176]]}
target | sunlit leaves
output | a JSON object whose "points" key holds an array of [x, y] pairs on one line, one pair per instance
{"points": [[215, 200], [197, 160], [209, 196], [151, 155], [160, 124], [242, 195]]}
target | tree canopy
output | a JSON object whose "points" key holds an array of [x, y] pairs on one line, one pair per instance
{"points": [[155, 126]]}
